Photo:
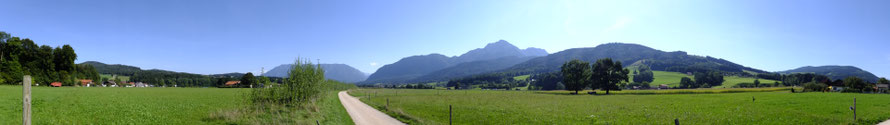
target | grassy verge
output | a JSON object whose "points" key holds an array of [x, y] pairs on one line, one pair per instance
{"points": [[524, 107], [325, 109]]}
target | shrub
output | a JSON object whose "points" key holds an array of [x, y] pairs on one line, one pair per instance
{"points": [[304, 83], [814, 87]]}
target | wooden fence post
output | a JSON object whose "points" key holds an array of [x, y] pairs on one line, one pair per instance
{"points": [[449, 114], [676, 121], [26, 100], [854, 109]]}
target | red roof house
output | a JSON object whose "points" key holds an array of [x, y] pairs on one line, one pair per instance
{"points": [[56, 84], [230, 83]]}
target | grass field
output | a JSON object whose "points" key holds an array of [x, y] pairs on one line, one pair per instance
{"points": [[108, 76], [676, 91], [529, 107], [83, 105], [733, 80], [672, 79]]}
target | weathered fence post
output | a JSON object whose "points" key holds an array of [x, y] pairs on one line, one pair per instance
{"points": [[449, 114], [854, 109], [316, 122], [676, 121], [26, 100]]}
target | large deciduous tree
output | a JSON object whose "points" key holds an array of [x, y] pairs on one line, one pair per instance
{"points": [[248, 79], [576, 75], [686, 82], [855, 83], [606, 74], [645, 75]]}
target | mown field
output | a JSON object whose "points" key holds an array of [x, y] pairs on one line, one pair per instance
{"points": [[672, 79], [189, 106], [530, 107], [109, 77], [82, 105]]}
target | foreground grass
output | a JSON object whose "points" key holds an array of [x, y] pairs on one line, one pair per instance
{"points": [[525, 107], [323, 109], [326, 109], [81, 105]]}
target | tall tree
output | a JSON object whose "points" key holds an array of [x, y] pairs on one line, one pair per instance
{"points": [[606, 74], [576, 75], [756, 83], [855, 83], [686, 82], [883, 81], [248, 79], [645, 75]]}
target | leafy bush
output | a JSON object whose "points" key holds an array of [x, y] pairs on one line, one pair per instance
{"points": [[303, 84], [815, 87]]}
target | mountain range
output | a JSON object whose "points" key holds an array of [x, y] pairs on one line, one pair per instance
{"points": [[835, 72], [435, 67], [503, 57], [339, 72], [631, 54]]}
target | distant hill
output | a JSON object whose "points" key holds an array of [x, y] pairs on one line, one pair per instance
{"points": [[339, 72], [117, 69], [471, 68], [629, 54], [531, 51], [835, 72], [427, 67]]}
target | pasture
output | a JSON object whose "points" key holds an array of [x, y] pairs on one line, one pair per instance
{"points": [[531, 107], [82, 105]]}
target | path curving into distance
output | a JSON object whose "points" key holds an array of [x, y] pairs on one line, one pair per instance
{"points": [[362, 114]]}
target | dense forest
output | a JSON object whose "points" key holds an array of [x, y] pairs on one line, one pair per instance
{"points": [[45, 64]]}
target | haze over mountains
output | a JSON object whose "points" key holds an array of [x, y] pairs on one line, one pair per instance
{"points": [[835, 72], [494, 56], [503, 57], [339, 72]]}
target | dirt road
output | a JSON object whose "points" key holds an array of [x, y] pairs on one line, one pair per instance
{"points": [[362, 114]]}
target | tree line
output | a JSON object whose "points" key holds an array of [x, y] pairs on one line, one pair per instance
{"points": [[487, 81], [45, 64], [605, 75]]}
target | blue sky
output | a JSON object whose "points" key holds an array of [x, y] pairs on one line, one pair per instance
{"points": [[220, 36]]}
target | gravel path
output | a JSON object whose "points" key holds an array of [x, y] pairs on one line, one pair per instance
{"points": [[362, 114]]}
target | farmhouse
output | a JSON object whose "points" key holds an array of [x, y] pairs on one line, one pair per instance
{"points": [[140, 84], [86, 82], [109, 83], [232, 83], [882, 87], [56, 84], [663, 86]]}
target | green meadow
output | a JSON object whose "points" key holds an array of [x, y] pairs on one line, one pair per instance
{"points": [[189, 106], [672, 79], [83, 105], [110, 77], [531, 107]]}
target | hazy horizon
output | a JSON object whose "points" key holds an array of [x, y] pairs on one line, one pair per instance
{"points": [[243, 36]]}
